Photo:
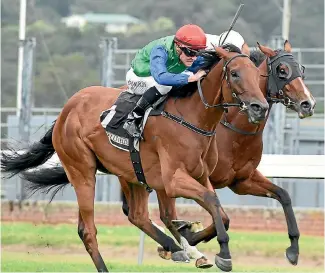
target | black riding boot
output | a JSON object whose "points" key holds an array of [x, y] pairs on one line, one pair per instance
{"points": [[133, 120]]}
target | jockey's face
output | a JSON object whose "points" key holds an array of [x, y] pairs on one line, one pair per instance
{"points": [[185, 59]]}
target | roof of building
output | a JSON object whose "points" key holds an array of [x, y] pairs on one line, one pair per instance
{"points": [[110, 18]]}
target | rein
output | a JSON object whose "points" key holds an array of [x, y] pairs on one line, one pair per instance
{"points": [[225, 105]]}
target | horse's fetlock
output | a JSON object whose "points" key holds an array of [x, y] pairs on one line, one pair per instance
{"points": [[223, 238]]}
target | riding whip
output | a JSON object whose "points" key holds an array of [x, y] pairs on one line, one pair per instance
{"points": [[233, 22]]}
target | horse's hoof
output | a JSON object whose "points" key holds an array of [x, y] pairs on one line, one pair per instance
{"points": [[163, 253], [203, 263], [180, 257], [292, 255], [223, 264]]}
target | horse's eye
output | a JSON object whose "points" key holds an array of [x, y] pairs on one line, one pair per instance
{"points": [[283, 74], [234, 74]]}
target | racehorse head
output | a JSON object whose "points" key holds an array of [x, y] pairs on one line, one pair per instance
{"points": [[285, 81], [242, 78]]}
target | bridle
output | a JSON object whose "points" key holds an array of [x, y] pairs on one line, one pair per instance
{"points": [[192, 127], [242, 106], [275, 84]]}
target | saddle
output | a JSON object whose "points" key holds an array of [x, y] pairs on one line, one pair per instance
{"points": [[113, 120]]}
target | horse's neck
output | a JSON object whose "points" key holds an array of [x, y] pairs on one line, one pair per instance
{"points": [[240, 120], [196, 112]]}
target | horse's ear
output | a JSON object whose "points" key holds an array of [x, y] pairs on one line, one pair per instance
{"points": [[287, 46], [245, 49], [222, 53], [266, 50]]}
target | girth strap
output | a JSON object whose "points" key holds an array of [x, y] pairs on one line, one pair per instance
{"points": [[136, 162]]}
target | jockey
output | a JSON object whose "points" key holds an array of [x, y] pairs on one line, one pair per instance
{"points": [[158, 67], [170, 61]]}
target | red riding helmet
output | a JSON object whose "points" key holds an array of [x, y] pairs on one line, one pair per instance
{"points": [[191, 36]]}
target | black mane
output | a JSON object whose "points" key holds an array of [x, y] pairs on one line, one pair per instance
{"points": [[210, 60]]}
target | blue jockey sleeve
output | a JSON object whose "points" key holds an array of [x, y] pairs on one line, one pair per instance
{"points": [[197, 64], [158, 69]]}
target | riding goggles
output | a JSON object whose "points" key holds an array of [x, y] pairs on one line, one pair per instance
{"points": [[189, 52]]}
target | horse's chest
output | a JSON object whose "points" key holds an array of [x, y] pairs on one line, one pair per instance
{"points": [[245, 159]]}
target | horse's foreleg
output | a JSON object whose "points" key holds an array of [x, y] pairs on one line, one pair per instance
{"points": [[181, 184], [167, 209], [259, 185], [138, 215]]}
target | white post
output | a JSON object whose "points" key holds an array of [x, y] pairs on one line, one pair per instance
{"points": [[141, 248], [22, 33], [286, 17]]}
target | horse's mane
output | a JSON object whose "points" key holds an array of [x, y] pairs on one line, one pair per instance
{"points": [[210, 60], [257, 57]]}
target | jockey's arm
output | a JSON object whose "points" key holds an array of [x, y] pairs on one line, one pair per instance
{"points": [[158, 69]]}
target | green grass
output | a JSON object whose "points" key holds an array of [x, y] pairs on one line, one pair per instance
{"points": [[57, 248], [13, 262]]}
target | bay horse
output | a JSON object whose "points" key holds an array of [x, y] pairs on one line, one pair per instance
{"points": [[240, 146], [176, 160]]}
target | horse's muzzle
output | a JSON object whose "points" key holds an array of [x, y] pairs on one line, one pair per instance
{"points": [[306, 109], [257, 111]]}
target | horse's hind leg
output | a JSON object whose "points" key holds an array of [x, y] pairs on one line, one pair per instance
{"points": [[139, 216], [86, 227], [80, 166]]}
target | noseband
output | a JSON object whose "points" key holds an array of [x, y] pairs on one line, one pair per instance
{"points": [[225, 105]]}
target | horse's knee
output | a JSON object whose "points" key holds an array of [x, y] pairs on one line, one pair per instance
{"points": [[167, 221], [284, 197], [137, 219]]}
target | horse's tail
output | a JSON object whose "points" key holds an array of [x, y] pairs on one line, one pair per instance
{"points": [[14, 162], [46, 179]]}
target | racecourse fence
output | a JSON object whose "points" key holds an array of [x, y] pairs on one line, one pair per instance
{"points": [[295, 137]]}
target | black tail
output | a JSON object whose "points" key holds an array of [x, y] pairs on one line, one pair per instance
{"points": [[46, 179], [13, 162]]}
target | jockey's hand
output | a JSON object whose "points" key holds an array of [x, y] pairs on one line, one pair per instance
{"points": [[197, 76]]}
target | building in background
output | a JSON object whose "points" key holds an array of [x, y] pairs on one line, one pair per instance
{"points": [[114, 23]]}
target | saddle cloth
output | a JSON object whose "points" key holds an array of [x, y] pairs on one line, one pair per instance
{"points": [[114, 118]]}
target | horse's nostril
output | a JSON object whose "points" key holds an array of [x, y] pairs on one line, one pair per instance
{"points": [[256, 107], [305, 105]]}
